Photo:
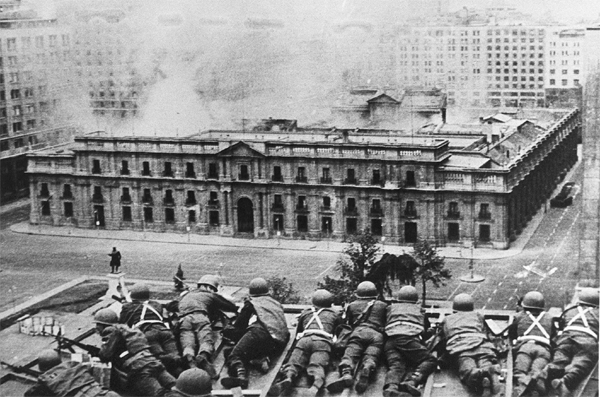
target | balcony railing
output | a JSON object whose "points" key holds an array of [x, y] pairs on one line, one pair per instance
{"points": [[147, 200], [326, 208], [190, 201], [244, 177], [126, 199], [377, 182], [301, 208], [168, 174], [189, 174], [67, 196], [213, 203], [351, 211], [124, 171], [97, 198], [277, 178], [146, 173], [410, 213], [301, 179], [350, 181], [485, 215], [213, 176], [326, 179], [453, 214], [376, 212], [277, 207], [96, 171], [169, 201]]}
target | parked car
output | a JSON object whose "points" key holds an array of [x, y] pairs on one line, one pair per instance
{"points": [[564, 198]]}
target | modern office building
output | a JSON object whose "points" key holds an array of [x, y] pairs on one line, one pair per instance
{"points": [[453, 184]]}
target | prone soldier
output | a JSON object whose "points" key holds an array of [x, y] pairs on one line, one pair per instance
{"points": [[195, 329], [466, 340], [312, 350], [67, 378], [576, 351], [532, 332], [147, 316], [367, 316], [259, 331], [134, 368], [405, 327]]}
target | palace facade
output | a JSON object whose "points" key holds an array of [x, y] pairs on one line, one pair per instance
{"points": [[280, 180]]}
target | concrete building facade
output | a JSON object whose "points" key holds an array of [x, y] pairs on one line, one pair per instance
{"points": [[316, 184]]}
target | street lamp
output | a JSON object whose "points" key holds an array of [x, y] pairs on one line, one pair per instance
{"points": [[328, 232], [278, 231], [471, 277]]}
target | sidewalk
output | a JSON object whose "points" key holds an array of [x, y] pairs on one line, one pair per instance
{"points": [[274, 243]]}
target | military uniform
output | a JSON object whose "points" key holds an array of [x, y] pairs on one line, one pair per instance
{"points": [[576, 350], [313, 343], [466, 341], [532, 332], [406, 323], [134, 367], [147, 317], [196, 309], [68, 379]]}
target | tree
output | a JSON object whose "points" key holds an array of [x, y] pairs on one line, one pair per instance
{"points": [[361, 252], [283, 291], [430, 266], [392, 268]]}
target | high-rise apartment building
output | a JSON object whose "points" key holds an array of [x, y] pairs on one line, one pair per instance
{"points": [[565, 70], [34, 76]]}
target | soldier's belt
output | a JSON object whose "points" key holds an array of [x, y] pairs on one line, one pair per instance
{"points": [[534, 338], [582, 329], [410, 324], [465, 335], [310, 332]]}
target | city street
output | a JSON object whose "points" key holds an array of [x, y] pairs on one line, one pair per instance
{"points": [[32, 264]]}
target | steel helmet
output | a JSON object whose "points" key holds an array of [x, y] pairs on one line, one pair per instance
{"points": [[258, 287], [106, 317], [140, 292], [209, 280], [48, 359], [408, 294], [194, 382], [588, 296], [463, 303], [366, 289], [533, 300], [322, 298]]}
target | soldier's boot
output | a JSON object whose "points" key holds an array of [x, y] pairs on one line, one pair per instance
{"points": [[411, 385], [262, 364], [190, 361], [239, 380], [363, 377], [551, 371], [345, 381], [493, 374], [203, 362], [318, 383], [283, 385], [562, 390], [392, 390]]}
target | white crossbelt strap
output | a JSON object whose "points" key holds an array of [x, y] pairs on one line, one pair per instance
{"points": [[146, 306], [535, 323], [586, 326], [320, 331]]}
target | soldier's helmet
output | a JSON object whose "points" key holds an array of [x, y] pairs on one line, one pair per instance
{"points": [[194, 382], [408, 294], [588, 296], [463, 303], [106, 317], [533, 300], [366, 289], [48, 359], [258, 287], [140, 292], [322, 298], [209, 280]]}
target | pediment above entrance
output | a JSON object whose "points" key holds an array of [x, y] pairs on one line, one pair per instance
{"points": [[240, 149]]}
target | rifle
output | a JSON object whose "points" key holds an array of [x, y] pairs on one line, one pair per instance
{"points": [[185, 285], [19, 368], [66, 343]]}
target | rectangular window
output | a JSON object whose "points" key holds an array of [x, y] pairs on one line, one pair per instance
{"points": [[96, 167], [68, 209], [189, 170], [191, 198], [278, 222], [125, 197], [410, 178], [351, 225], [453, 231], [46, 207], [326, 202], [453, 211], [484, 211], [124, 167], [277, 177], [213, 172], [169, 200], [169, 215], [97, 196], [244, 175], [410, 210], [376, 178], [484, 233], [127, 214], [376, 227], [146, 168], [350, 177], [213, 218], [147, 197], [67, 193], [192, 216], [302, 205], [326, 176], [302, 223], [44, 192], [214, 198], [148, 214], [168, 169], [326, 226], [301, 177]]}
